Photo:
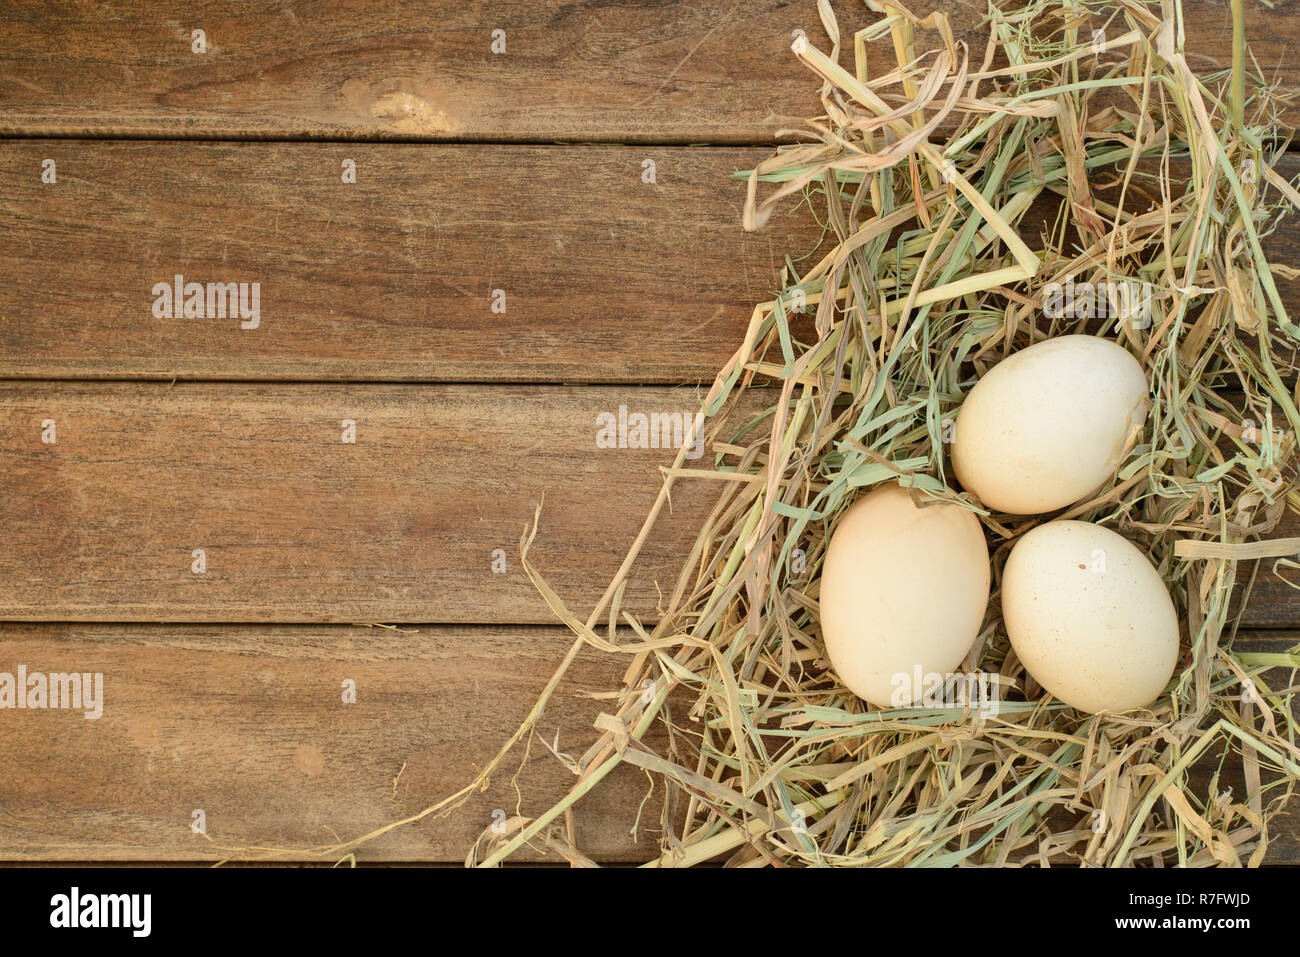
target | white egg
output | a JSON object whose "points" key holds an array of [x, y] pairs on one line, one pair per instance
{"points": [[903, 594], [1089, 617], [1046, 427]]}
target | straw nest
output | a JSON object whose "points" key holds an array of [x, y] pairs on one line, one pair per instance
{"points": [[1076, 146], [954, 188]]}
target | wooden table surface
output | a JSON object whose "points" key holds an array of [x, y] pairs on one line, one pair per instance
{"points": [[499, 275]]}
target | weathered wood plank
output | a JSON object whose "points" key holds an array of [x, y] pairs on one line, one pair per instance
{"points": [[298, 526], [247, 724], [409, 68], [578, 71], [603, 277], [1274, 598], [400, 276]]}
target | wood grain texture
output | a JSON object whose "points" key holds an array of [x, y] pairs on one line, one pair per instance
{"points": [[715, 71], [247, 724], [1274, 598], [712, 71], [299, 527], [605, 277]]}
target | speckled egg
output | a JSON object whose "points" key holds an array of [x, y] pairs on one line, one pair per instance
{"points": [[1089, 617]]}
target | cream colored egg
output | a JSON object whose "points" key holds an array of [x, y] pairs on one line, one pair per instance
{"points": [[1089, 617], [903, 594], [1046, 427]]}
